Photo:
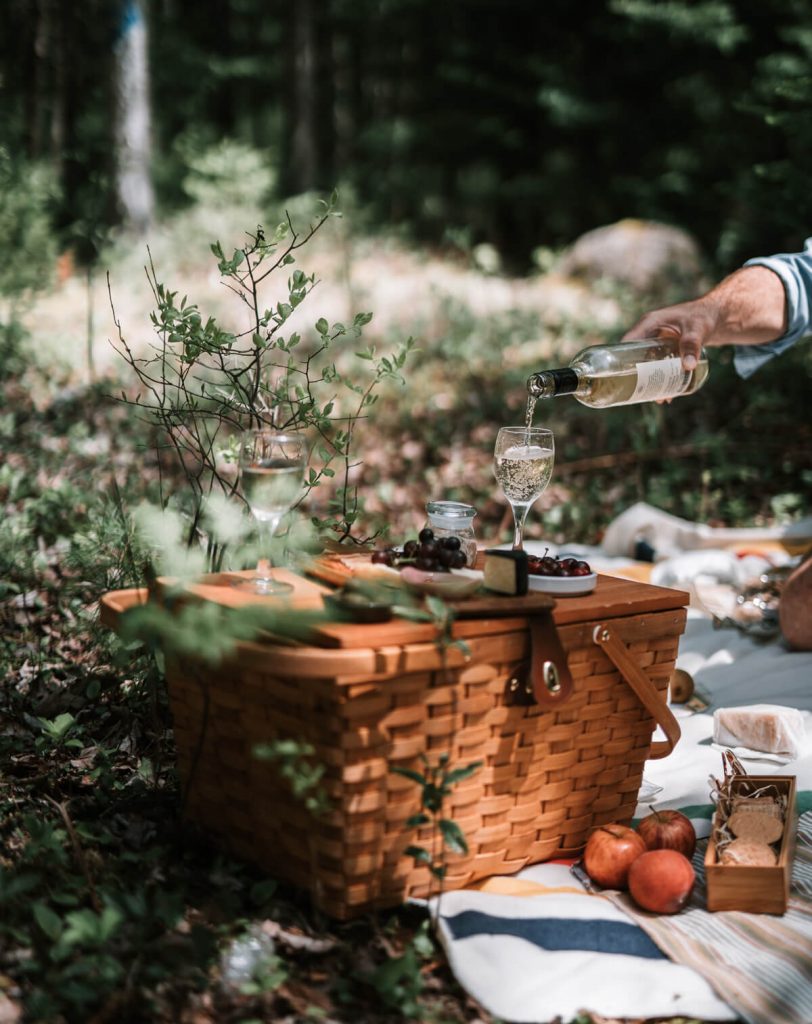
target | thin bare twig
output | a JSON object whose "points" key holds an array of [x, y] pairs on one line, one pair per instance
{"points": [[78, 852]]}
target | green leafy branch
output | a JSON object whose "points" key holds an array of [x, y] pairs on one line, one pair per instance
{"points": [[209, 631], [202, 384], [294, 760], [436, 783]]}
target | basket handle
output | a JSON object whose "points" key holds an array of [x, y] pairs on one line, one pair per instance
{"points": [[643, 687]]}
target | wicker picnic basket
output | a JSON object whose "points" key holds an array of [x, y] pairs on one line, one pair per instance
{"points": [[372, 697]]}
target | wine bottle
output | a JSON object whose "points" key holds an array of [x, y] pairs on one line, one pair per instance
{"points": [[641, 370]]}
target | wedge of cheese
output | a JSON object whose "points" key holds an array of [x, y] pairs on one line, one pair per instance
{"points": [[505, 572], [766, 727]]}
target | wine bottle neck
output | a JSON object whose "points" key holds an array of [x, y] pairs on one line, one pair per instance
{"points": [[550, 383]]}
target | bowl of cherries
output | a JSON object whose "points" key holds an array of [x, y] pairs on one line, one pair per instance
{"points": [[560, 575]]}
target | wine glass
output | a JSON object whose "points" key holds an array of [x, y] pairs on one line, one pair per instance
{"points": [[272, 465], [523, 464]]}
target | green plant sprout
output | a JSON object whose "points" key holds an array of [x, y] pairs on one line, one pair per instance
{"points": [[55, 731]]}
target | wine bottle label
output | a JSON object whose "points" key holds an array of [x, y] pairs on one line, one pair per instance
{"points": [[660, 378]]}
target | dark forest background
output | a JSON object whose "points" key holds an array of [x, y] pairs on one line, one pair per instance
{"points": [[517, 123]]}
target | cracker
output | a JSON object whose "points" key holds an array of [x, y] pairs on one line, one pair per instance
{"points": [[761, 828], [745, 852], [760, 804]]}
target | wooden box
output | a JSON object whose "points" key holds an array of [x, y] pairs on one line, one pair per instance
{"points": [[368, 698], [758, 890]]}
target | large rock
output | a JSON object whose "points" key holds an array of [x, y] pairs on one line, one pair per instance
{"points": [[654, 260]]}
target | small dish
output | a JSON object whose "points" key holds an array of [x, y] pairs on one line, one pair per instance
{"points": [[563, 586], [452, 585]]}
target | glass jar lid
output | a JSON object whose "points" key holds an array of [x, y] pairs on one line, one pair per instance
{"points": [[450, 513]]}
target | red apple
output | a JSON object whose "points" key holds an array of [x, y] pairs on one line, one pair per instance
{"points": [[610, 852], [668, 830], [661, 881]]}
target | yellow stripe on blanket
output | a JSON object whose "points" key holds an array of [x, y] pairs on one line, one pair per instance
{"points": [[505, 886]]}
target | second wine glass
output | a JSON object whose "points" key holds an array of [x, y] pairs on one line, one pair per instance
{"points": [[523, 464], [272, 466]]}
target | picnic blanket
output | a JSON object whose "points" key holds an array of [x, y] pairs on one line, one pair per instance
{"points": [[537, 946]]}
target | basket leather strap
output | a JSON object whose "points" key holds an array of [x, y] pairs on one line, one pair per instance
{"points": [[643, 687], [549, 673]]}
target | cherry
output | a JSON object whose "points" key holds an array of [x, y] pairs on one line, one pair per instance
{"points": [[548, 565]]}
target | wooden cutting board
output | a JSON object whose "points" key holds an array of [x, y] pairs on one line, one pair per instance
{"points": [[219, 587], [611, 598], [479, 615]]}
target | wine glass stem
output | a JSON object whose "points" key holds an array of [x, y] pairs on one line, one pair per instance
{"points": [[519, 516], [266, 529]]}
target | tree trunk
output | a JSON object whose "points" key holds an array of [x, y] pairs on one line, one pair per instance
{"points": [[304, 142], [43, 48], [58, 134], [132, 121]]}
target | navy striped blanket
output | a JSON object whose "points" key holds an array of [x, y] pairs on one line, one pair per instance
{"points": [[538, 947]]}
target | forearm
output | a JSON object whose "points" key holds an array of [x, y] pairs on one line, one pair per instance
{"points": [[746, 308]]}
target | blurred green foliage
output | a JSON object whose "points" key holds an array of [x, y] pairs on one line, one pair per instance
{"points": [[26, 235]]}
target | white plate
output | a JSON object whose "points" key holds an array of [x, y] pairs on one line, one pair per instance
{"points": [[563, 585], [453, 585]]}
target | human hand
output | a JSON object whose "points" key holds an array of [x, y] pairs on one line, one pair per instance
{"points": [[692, 323]]}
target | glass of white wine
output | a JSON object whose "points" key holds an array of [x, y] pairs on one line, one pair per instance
{"points": [[523, 464], [272, 466]]}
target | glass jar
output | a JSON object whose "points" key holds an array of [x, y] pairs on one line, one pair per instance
{"points": [[454, 519]]}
